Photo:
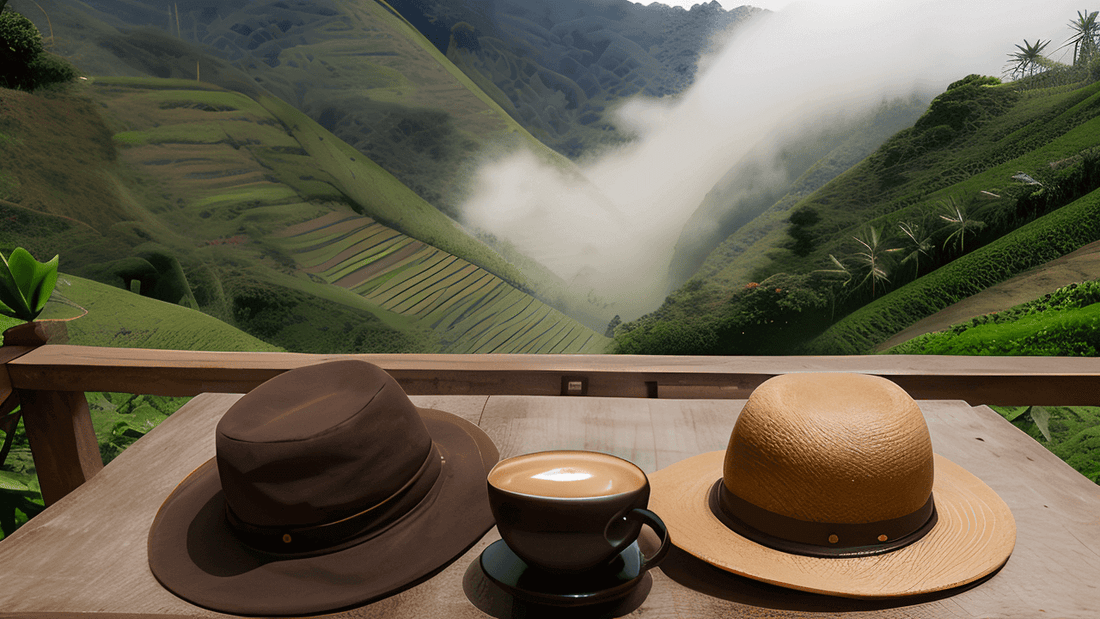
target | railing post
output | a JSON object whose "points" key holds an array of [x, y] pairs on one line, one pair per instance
{"points": [[58, 425]]}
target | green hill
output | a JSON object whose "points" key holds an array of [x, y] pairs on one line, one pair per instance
{"points": [[839, 258], [356, 68], [1064, 322], [122, 319], [114, 318], [191, 182]]}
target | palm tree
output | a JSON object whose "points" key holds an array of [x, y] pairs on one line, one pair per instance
{"points": [[919, 239], [1028, 58], [958, 223], [841, 269], [1086, 36], [873, 258]]}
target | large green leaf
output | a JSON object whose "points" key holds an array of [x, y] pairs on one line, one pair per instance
{"points": [[1011, 413], [11, 482], [26, 283], [1041, 417], [10, 296], [44, 282]]}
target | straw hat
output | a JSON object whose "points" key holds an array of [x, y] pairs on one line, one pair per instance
{"points": [[829, 485], [330, 489]]}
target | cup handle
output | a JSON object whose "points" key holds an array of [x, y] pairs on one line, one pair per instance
{"points": [[654, 521]]}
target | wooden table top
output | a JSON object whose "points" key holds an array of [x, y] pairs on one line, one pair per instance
{"points": [[87, 553]]}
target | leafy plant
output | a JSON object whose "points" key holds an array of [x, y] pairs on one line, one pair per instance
{"points": [[958, 223], [25, 284], [20, 44], [872, 258], [918, 238], [1027, 59], [19, 502], [1086, 33], [24, 62]]}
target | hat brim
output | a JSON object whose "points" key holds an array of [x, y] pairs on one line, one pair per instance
{"points": [[973, 537], [194, 553]]}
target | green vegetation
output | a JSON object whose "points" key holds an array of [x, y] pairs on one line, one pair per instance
{"points": [[1027, 59], [1065, 322], [1070, 432], [470, 309], [1049, 237], [24, 62], [182, 155], [381, 196], [25, 284], [115, 318], [936, 214]]}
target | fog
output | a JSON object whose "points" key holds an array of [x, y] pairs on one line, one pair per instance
{"points": [[611, 231]]}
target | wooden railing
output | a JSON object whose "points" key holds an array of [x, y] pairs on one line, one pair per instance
{"points": [[49, 381]]}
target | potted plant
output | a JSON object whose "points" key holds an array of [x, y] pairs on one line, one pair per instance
{"points": [[25, 286]]}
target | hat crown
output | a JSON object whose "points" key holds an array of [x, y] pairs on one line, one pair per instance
{"points": [[832, 448], [319, 444]]}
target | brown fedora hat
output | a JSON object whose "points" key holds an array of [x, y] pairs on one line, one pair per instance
{"points": [[829, 485], [329, 490]]}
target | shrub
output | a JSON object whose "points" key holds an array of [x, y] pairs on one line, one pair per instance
{"points": [[20, 45], [1040, 241], [24, 63], [49, 69]]}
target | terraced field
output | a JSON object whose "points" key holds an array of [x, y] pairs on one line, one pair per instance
{"points": [[473, 310]]}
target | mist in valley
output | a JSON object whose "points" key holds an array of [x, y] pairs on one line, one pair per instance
{"points": [[609, 227]]}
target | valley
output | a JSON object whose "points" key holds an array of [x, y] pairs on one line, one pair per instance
{"points": [[290, 175]]}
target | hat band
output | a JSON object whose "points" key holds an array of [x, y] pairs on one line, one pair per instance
{"points": [[819, 539], [345, 532]]}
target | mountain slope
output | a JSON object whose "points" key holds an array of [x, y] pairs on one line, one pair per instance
{"points": [[561, 67], [1077, 266], [195, 180], [356, 68], [953, 180]]}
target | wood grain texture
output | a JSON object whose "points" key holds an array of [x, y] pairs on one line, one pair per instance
{"points": [[62, 440], [991, 380], [87, 552], [8, 398]]}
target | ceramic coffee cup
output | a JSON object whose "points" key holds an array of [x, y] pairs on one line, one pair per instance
{"points": [[572, 511]]}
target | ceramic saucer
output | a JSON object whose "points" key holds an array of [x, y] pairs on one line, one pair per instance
{"points": [[608, 583]]}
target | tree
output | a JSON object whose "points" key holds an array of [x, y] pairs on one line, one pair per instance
{"points": [[872, 258], [24, 63], [918, 238], [1086, 37], [958, 223], [1027, 59]]}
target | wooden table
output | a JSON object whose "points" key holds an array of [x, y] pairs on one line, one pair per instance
{"points": [[86, 554]]}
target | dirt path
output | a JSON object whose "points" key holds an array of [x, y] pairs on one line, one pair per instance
{"points": [[1081, 265]]}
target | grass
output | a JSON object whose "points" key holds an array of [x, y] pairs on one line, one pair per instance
{"points": [[381, 196], [1049, 237], [115, 318], [947, 155], [470, 308], [1065, 322], [121, 319]]}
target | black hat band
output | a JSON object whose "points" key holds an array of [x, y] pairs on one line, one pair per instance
{"points": [[344, 532], [819, 539]]}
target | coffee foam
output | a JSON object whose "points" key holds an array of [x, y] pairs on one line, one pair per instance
{"points": [[567, 474]]}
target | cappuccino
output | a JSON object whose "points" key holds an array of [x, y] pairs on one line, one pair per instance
{"points": [[567, 474]]}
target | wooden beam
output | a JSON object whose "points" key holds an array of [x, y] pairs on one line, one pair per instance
{"points": [[991, 380], [8, 398], [62, 440]]}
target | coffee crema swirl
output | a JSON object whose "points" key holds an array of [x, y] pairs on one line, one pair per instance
{"points": [[567, 474]]}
